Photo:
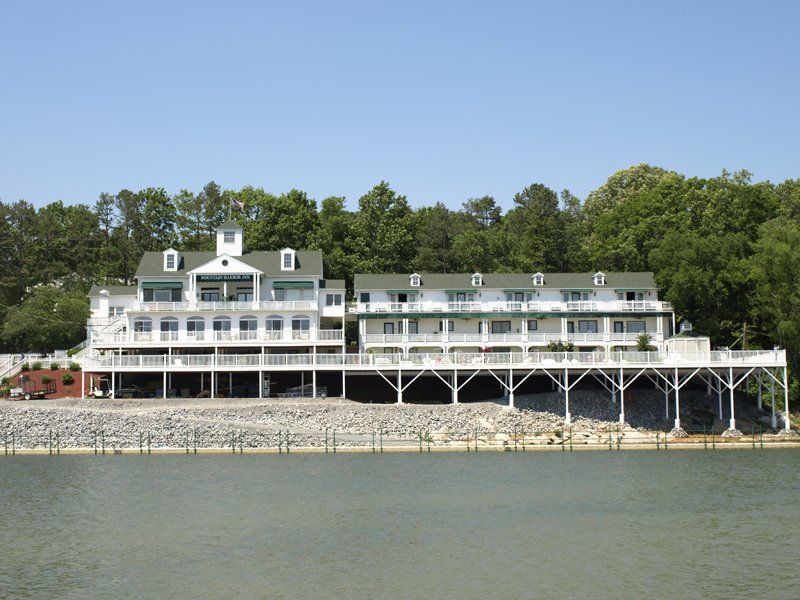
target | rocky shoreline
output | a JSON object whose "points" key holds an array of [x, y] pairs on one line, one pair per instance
{"points": [[215, 423]]}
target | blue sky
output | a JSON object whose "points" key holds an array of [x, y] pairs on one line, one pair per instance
{"points": [[445, 101]]}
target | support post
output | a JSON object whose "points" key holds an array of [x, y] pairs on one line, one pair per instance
{"points": [[454, 388], [113, 383], [314, 383], [399, 386], [83, 382], [758, 383], [511, 388], [344, 382], [164, 383], [567, 415], [719, 397], [772, 398], [260, 383], [732, 422], [621, 398], [787, 425], [677, 400]]}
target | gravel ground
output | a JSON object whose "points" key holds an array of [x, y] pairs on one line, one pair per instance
{"points": [[268, 423]]}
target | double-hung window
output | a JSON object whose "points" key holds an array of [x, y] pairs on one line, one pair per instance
{"points": [[587, 326]]}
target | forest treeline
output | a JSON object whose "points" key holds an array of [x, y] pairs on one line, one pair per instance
{"points": [[725, 250]]}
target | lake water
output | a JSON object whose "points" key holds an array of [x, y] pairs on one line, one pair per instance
{"points": [[534, 525]]}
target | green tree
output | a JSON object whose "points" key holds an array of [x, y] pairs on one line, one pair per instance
{"points": [[435, 232], [382, 236], [535, 230], [159, 219], [774, 270], [48, 319]]}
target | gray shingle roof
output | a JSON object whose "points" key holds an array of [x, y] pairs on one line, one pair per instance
{"points": [[332, 284], [230, 224], [113, 290], [440, 281], [307, 262]]}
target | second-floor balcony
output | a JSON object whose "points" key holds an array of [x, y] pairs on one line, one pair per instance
{"points": [[537, 306], [227, 306], [202, 337], [380, 339]]}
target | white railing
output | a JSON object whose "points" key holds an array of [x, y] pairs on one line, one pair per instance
{"points": [[511, 306], [193, 337], [565, 360], [504, 338], [265, 305]]}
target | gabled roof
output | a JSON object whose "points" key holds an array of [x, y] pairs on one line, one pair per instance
{"points": [[113, 290], [307, 262], [229, 224], [440, 281]]}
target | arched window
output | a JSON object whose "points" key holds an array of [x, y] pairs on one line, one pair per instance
{"points": [[247, 328], [222, 328], [142, 324], [414, 280], [599, 278], [142, 329], [301, 327], [538, 279], [169, 329], [477, 280], [274, 327], [195, 328], [221, 324]]}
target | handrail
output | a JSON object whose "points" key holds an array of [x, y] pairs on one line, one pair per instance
{"points": [[565, 360]]}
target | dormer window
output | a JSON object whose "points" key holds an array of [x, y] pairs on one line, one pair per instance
{"points": [[287, 259], [414, 280], [599, 278], [538, 279], [170, 260], [477, 280]]}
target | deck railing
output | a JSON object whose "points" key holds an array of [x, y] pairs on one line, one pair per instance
{"points": [[194, 337], [269, 305], [465, 360]]}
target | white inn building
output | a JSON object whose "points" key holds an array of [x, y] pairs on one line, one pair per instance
{"points": [[509, 312], [225, 323], [221, 302]]}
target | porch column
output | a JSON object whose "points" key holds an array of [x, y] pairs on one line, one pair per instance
{"points": [[621, 398], [164, 389], [260, 384], [454, 382], [567, 415], [83, 378]]}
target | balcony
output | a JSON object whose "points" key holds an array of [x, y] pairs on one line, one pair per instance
{"points": [[216, 337], [538, 306], [223, 307], [378, 339]]}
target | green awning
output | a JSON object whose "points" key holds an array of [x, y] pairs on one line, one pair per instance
{"points": [[632, 289], [293, 285], [402, 291], [161, 285], [472, 291], [519, 290], [577, 289]]}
